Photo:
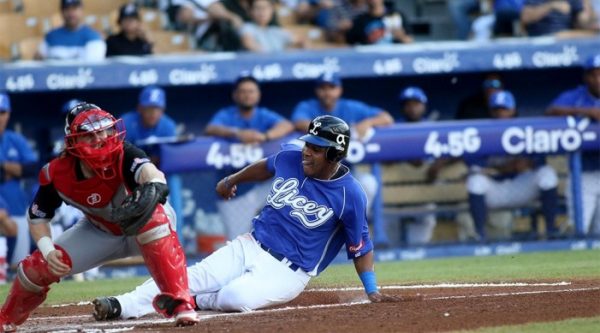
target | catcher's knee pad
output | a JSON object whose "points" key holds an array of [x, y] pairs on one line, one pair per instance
{"points": [[156, 228], [34, 272], [31, 286]]}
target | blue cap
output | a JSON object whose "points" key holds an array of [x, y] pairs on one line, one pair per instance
{"points": [[4, 102], [153, 96], [413, 93], [502, 100], [329, 78], [592, 62], [70, 104]]}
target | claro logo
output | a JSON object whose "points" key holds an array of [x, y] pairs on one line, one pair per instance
{"points": [[83, 78], [518, 140]]}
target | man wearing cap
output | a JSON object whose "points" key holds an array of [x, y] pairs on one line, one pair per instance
{"points": [[17, 161], [74, 40], [509, 181], [246, 122], [361, 117], [413, 109], [475, 106], [584, 102], [145, 126], [132, 39]]}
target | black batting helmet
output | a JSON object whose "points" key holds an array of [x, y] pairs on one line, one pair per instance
{"points": [[331, 132]]}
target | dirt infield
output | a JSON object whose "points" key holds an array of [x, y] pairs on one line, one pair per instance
{"points": [[427, 308]]}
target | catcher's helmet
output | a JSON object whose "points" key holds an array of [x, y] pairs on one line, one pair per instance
{"points": [[95, 137], [332, 132]]}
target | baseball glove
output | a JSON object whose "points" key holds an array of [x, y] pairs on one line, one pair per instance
{"points": [[138, 207]]}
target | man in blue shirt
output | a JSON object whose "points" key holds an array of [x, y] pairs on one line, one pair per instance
{"points": [[17, 161], [145, 127], [510, 181], [8, 228], [74, 40], [246, 122], [361, 117], [584, 102], [545, 17]]}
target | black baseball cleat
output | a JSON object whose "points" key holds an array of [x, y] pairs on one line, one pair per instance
{"points": [[106, 308]]}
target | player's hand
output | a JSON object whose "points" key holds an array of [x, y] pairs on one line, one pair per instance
{"points": [[226, 189], [362, 128], [251, 136], [378, 297], [56, 264]]}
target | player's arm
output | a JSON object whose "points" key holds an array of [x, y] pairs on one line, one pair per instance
{"points": [[257, 171], [282, 128], [8, 227], [559, 110], [39, 215], [366, 271], [383, 118]]}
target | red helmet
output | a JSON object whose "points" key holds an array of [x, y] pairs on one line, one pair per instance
{"points": [[95, 137]]}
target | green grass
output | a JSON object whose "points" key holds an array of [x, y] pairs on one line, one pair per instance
{"points": [[566, 265], [579, 325], [544, 265]]}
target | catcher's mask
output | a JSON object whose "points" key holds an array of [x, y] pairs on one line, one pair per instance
{"points": [[96, 137]]}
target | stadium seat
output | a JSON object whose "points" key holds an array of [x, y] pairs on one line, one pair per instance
{"points": [[28, 47], [37, 8], [6, 6], [314, 36], [13, 28], [170, 42], [102, 7]]}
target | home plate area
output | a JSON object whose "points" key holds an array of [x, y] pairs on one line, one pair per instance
{"points": [[436, 307]]}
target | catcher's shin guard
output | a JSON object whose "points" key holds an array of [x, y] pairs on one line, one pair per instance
{"points": [[30, 287], [165, 260]]}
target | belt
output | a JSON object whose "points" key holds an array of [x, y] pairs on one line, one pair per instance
{"points": [[278, 256]]}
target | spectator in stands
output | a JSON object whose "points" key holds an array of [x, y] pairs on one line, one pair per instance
{"points": [[381, 24], [214, 27], [461, 12], [501, 22], [132, 39], [145, 127], [336, 17], [8, 228], [74, 40], [362, 118], [17, 161], [510, 181], [546, 17], [476, 106], [259, 36], [413, 109], [246, 122], [584, 102]]}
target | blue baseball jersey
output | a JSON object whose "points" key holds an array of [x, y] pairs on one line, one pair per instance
{"points": [[348, 110], [309, 220], [165, 127], [63, 43], [14, 148], [580, 97], [261, 120]]}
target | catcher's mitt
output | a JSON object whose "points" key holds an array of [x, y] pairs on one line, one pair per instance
{"points": [[138, 207]]}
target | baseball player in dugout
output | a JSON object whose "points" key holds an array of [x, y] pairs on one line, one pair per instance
{"points": [[314, 208], [123, 196]]}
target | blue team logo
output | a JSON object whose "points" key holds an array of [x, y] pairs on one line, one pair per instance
{"points": [[308, 212]]}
